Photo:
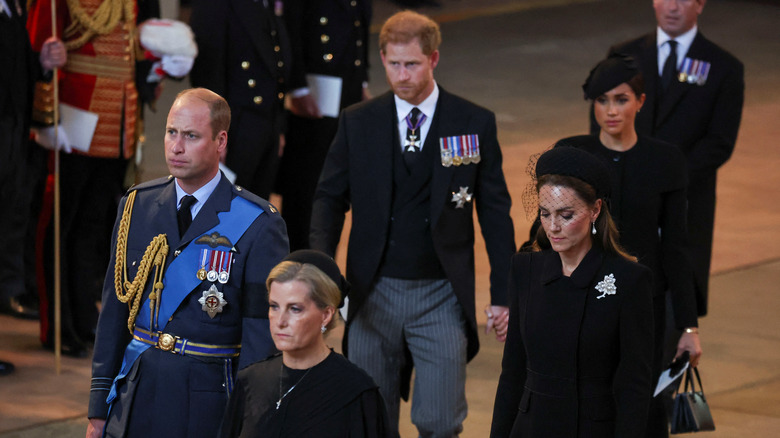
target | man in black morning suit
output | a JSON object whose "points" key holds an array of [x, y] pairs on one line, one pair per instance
{"points": [[410, 258], [244, 55], [699, 111], [21, 68]]}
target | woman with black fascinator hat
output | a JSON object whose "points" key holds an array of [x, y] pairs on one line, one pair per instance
{"points": [[577, 359], [308, 390], [648, 202]]}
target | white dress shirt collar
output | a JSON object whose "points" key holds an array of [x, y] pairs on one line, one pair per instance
{"points": [[202, 194], [684, 42], [427, 106]]}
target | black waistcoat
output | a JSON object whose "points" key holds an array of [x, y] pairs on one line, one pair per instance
{"points": [[409, 252]]}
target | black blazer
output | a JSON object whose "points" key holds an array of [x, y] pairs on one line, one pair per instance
{"points": [[17, 79], [575, 364], [358, 174], [649, 195], [703, 121]]}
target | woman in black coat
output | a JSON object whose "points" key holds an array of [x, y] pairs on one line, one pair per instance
{"points": [[577, 359], [648, 203]]}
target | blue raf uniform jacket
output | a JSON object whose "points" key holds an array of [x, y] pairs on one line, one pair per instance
{"points": [[169, 394]]}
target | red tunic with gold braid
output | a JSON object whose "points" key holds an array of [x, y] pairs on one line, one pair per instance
{"points": [[99, 76]]}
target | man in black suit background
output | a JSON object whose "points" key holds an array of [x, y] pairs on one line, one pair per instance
{"points": [[695, 92], [244, 55], [412, 164], [21, 68], [696, 105]]}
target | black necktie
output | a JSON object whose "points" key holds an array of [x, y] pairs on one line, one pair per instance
{"points": [[670, 66], [412, 143], [184, 215]]}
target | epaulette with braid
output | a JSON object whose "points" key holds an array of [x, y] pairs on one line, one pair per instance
{"points": [[131, 292]]}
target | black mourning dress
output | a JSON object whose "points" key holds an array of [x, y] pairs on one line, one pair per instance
{"points": [[576, 360], [334, 398]]}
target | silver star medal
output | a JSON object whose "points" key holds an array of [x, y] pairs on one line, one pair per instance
{"points": [[606, 286], [461, 198], [212, 301]]}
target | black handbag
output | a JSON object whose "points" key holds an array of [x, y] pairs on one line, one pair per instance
{"points": [[690, 411]]}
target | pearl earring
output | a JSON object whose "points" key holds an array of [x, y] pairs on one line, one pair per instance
{"points": [[593, 228]]}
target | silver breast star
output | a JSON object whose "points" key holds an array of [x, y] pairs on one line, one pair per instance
{"points": [[212, 301], [461, 198]]}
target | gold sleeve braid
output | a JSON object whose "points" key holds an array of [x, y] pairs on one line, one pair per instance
{"points": [[155, 254]]}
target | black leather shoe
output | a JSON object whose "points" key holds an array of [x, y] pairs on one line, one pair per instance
{"points": [[12, 306], [6, 368]]}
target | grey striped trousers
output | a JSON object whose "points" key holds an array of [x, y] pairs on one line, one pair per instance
{"points": [[424, 317]]}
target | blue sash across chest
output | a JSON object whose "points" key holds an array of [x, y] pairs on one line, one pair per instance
{"points": [[179, 280]]}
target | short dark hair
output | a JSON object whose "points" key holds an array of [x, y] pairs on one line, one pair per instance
{"points": [[405, 26], [219, 110]]}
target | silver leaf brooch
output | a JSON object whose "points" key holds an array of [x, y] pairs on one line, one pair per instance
{"points": [[606, 286]]}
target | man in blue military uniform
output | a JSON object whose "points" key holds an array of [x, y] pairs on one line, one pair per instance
{"points": [[184, 302]]}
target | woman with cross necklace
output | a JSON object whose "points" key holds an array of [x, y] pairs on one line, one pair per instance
{"points": [[308, 389]]}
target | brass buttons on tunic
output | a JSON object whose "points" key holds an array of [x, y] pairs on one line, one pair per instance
{"points": [[280, 64], [258, 100], [324, 38], [245, 65], [280, 96], [359, 43], [323, 20], [357, 23], [277, 49], [251, 83], [353, 3], [357, 63], [327, 57]]}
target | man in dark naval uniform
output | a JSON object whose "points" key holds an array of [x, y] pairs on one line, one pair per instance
{"points": [[244, 55], [330, 39], [695, 102], [20, 70], [184, 302], [412, 165]]}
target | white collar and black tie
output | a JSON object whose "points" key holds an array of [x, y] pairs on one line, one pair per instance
{"points": [[188, 205], [683, 41], [426, 107]]}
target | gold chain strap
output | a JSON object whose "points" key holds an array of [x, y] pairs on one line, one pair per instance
{"points": [[103, 21], [155, 254]]}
